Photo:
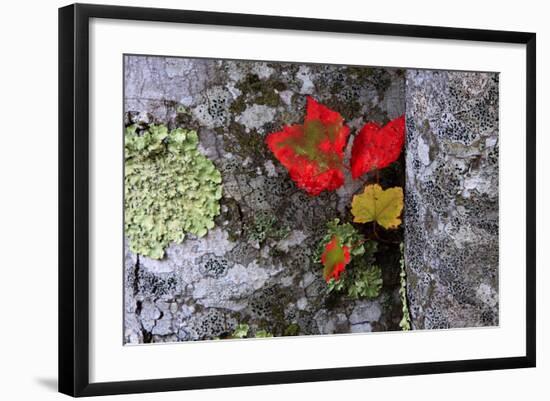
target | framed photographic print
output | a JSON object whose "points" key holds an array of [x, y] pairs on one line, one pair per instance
{"points": [[249, 199]]}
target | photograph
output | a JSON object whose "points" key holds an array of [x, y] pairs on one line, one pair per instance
{"points": [[275, 199]]}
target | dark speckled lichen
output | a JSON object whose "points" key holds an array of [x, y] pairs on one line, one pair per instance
{"points": [[268, 307], [351, 88], [451, 209], [211, 265], [157, 285]]}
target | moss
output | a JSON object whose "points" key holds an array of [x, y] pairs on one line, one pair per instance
{"points": [[253, 83], [386, 301], [379, 77], [238, 141], [170, 188], [184, 117], [400, 72], [265, 226], [257, 91], [238, 105], [362, 73], [276, 253], [231, 218], [350, 109], [268, 305], [170, 104], [292, 330]]}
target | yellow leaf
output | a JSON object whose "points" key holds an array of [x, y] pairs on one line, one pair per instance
{"points": [[379, 205]]}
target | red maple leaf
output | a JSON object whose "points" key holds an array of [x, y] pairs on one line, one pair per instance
{"points": [[313, 152], [334, 258], [376, 147]]}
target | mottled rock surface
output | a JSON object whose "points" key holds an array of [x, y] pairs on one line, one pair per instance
{"points": [[255, 266], [451, 211]]}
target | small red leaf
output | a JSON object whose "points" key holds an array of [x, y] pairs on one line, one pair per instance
{"points": [[377, 147], [313, 153], [335, 258]]}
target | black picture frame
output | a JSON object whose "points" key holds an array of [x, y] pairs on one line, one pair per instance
{"points": [[74, 198]]}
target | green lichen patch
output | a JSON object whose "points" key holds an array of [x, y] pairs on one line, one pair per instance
{"points": [[243, 331], [263, 334], [365, 283], [361, 280], [405, 322], [170, 188], [245, 144], [264, 226]]}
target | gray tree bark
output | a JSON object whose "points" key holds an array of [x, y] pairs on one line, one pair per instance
{"points": [[451, 212]]}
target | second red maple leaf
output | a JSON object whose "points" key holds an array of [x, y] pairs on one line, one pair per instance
{"points": [[376, 147]]}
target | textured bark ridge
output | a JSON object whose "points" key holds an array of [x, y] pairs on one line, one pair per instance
{"points": [[451, 212], [255, 266]]}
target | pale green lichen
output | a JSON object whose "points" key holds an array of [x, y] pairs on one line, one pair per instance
{"points": [[405, 322], [243, 330], [359, 281], [292, 330], [365, 283], [170, 188]]}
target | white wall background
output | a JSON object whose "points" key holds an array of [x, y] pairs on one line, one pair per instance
{"points": [[28, 199]]}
